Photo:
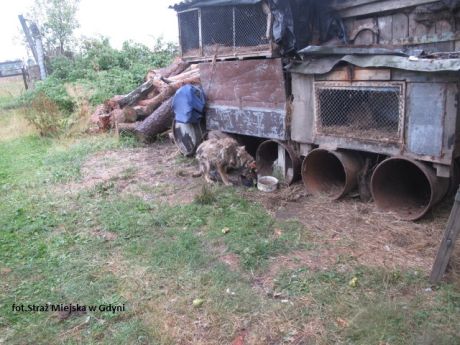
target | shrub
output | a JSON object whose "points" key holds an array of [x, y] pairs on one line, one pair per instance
{"points": [[106, 71], [44, 115], [102, 70]]}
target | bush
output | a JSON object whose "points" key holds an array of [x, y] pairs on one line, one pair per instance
{"points": [[106, 71], [44, 115], [102, 70]]}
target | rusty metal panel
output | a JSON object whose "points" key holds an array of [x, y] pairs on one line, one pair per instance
{"points": [[262, 123], [426, 107], [246, 97]]}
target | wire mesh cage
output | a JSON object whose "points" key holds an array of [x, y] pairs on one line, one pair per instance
{"points": [[189, 33], [224, 31], [217, 30], [373, 111]]}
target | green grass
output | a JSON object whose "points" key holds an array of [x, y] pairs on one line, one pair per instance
{"points": [[10, 89], [389, 307], [162, 257]]}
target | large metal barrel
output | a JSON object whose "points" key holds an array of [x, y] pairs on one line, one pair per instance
{"points": [[188, 136], [333, 173], [407, 187], [268, 153]]}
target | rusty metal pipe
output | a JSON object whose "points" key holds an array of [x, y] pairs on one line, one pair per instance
{"points": [[407, 187], [267, 154], [334, 173]]}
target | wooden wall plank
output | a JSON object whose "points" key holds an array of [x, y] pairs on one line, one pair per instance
{"points": [[358, 74], [302, 122], [443, 25], [380, 7], [416, 28], [385, 25], [400, 26]]}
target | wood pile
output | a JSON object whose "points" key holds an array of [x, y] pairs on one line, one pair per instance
{"points": [[147, 110]]}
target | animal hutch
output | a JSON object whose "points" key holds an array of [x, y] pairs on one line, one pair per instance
{"points": [[367, 97], [226, 31]]}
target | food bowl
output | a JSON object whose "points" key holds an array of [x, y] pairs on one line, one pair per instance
{"points": [[267, 183]]}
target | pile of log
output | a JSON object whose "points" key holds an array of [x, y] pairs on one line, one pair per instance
{"points": [[147, 110]]}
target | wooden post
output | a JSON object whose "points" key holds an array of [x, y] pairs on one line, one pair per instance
{"points": [[280, 163], [24, 78], [447, 244], [30, 40]]}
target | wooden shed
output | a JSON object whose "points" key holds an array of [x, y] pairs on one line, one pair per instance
{"points": [[368, 97]]}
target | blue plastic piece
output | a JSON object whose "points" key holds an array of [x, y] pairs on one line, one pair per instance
{"points": [[188, 104]]}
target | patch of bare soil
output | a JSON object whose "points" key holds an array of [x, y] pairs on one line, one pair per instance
{"points": [[232, 260], [105, 235], [157, 172], [351, 231]]}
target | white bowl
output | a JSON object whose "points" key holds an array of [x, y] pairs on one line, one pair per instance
{"points": [[267, 183]]}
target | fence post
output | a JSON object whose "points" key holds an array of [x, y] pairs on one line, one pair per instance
{"points": [[24, 78], [447, 244]]}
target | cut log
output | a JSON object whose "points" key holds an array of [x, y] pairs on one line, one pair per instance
{"points": [[158, 122], [129, 115], [182, 76], [125, 115], [112, 103], [153, 82], [125, 128], [149, 105], [151, 94], [100, 110], [138, 93], [104, 122], [177, 67]]}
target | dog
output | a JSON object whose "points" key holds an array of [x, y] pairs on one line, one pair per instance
{"points": [[222, 154]]}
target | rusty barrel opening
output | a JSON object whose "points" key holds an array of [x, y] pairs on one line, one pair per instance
{"points": [[331, 173], [267, 157], [406, 187]]}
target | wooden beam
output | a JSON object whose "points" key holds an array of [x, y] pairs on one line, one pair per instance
{"points": [[380, 7], [31, 42], [447, 244], [364, 74], [341, 5], [425, 39]]}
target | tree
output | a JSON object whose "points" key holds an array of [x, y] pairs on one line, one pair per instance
{"points": [[57, 20]]}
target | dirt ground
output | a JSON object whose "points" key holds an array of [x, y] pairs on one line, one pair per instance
{"points": [[351, 231], [157, 173], [347, 230]]}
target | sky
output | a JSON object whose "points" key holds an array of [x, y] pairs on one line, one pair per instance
{"points": [[138, 20]]}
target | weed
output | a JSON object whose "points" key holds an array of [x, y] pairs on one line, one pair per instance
{"points": [[207, 196], [45, 116]]}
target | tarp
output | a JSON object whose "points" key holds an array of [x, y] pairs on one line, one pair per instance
{"points": [[188, 104], [325, 65]]}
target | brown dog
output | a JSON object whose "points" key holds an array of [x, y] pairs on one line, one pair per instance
{"points": [[222, 154]]}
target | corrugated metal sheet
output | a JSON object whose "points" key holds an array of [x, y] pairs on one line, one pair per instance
{"points": [[325, 65]]}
